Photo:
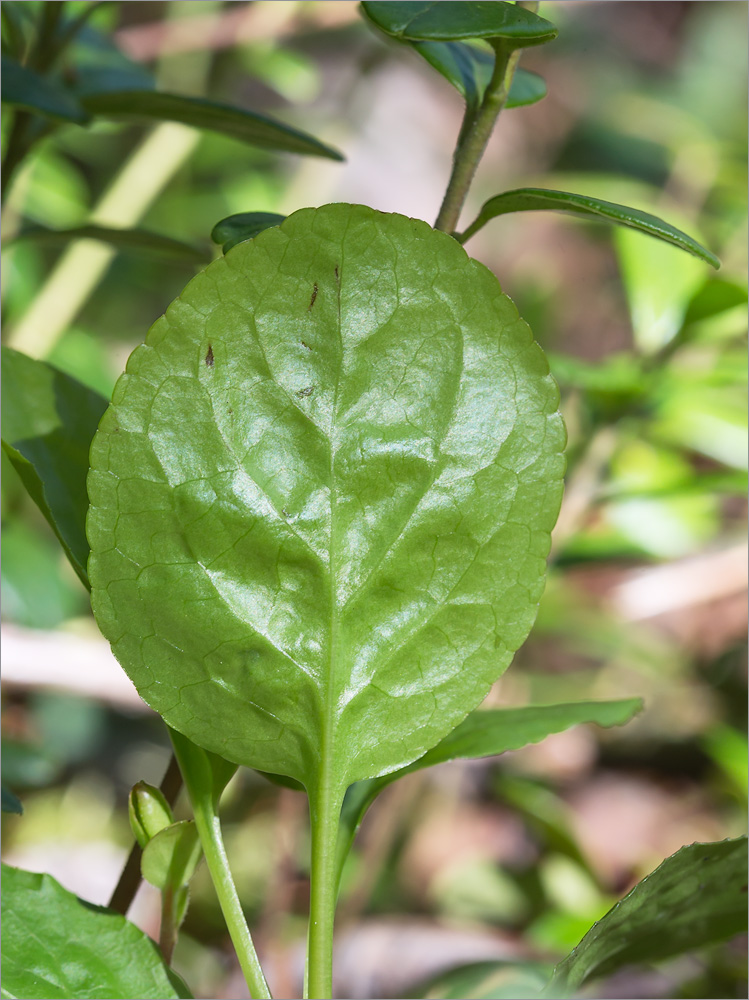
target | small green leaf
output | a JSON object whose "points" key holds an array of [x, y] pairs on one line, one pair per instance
{"points": [[533, 199], [449, 21], [469, 69], [246, 126], [243, 226], [25, 88], [171, 856], [58, 947], [342, 423], [149, 812], [526, 88], [485, 733], [140, 240], [10, 802], [48, 421], [696, 897]]}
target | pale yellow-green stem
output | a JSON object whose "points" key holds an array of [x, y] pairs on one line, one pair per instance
{"points": [[82, 266]]}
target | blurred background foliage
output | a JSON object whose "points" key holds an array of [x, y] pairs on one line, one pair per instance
{"points": [[508, 859]]}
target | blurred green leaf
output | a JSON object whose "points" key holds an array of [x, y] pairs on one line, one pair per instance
{"points": [[247, 126], [534, 199], [17, 27], [171, 856], [26, 89], [139, 240], [696, 897], [243, 226], [10, 802], [526, 88], [37, 591], [55, 945], [96, 65], [714, 297], [659, 285], [729, 750], [484, 733], [48, 422], [488, 981], [430, 21]]}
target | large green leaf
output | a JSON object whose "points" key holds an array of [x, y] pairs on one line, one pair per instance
{"points": [[26, 89], [48, 421], [696, 897], [56, 946], [140, 240], [485, 734], [243, 226], [447, 21], [322, 496], [469, 69], [533, 199], [247, 126]]}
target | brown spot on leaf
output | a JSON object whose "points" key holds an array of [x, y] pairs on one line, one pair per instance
{"points": [[305, 344], [306, 391], [209, 357], [314, 296]]}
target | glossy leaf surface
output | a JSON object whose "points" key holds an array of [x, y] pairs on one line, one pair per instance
{"points": [[56, 946], [469, 69], [26, 89], [140, 240], [243, 226], [339, 455], [171, 856], [48, 421], [485, 733], [450, 21], [247, 126], [696, 897], [533, 199]]}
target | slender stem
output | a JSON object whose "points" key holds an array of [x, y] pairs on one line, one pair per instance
{"points": [[130, 878], [168, 928], [325, 810], [474, 135], [205, 777], [209, 830]]}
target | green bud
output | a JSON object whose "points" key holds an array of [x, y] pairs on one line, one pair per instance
{"points": [[149, 812]]}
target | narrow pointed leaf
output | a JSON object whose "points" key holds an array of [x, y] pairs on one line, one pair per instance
{"points": [[171, 856], [243, 226], [26, 89], [48, 422], [140, 240], [340, 454], [56, 946], [485, 733], [247, 126], [469, 70], [452, 21], [696, 897], [534, 199]]}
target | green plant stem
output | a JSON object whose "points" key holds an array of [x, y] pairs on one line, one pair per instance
{"points": [[200, 780], [209, 830], [474, 135], [168, 928], [325, 810]]}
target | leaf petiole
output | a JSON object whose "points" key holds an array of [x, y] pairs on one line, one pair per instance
{"points": [[205, 776]]}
